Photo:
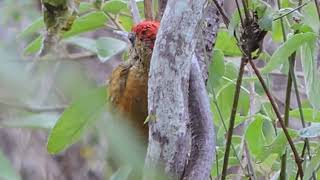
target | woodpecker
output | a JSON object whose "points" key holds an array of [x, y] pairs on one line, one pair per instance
{"points": [[128, 84]]}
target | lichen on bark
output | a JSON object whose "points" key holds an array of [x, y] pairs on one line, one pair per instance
{"points": [[169, 140], [58, 16]]}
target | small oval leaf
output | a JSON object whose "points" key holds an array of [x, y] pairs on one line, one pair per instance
{"points": [[75, 119]]}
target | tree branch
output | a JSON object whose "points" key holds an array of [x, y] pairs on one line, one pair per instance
{"points": [[161, 7], [148, 9], [134, 11], [202, 130], [169, 142], [201, 121]]}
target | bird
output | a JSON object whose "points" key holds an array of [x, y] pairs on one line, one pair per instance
{"points": [[128, 84]]}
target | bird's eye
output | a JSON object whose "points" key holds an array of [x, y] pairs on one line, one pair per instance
{"points": [[132, 37]]}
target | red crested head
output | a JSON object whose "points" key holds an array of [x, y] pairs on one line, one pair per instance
{"points": [[146, 31]]}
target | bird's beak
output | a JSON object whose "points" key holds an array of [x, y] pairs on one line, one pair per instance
{"points": [[132, 37]]}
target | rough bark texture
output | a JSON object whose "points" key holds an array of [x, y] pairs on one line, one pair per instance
{"points": [[161, 7], [202, 128], [169, 143], [207, 37]]}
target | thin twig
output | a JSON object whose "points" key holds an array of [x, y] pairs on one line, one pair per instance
{"points": [[114, 21], [222, 13], [134, 11], [225, 126], [317, 7], [232, 118], [35, 109], [295, 9], [251, 172], [148, 9], [240, 15], [291, 77], [283, 172], [246, 9], [274, 106]]}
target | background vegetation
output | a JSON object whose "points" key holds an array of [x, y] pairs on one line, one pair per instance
{"points": [[65, 95]]}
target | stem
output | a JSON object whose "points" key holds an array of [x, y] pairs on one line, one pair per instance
{"points": [[306, 140], [295, 9], [148, 9], [232, 118], [286, 116], [318, 8], [240, 15], [217, 163], [274, 106], [114, 21], [225, 127], [221, 11], [134, 11], [246, 10]]}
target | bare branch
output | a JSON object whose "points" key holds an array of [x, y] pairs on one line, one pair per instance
{"points": [[35, 109], [148, 9], [134, 11], [161, 7]]}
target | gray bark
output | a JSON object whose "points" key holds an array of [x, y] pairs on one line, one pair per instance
{"points": [[169, 142], [201, 120], [202, 129]]}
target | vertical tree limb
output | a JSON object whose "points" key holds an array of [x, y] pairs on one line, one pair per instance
{"points": [[161, 7], [148, 9], [202, 130], [168, 87], [134, 11], [201, 121]]}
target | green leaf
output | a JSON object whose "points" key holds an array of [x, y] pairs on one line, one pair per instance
{"points": [[311, 74], [234, 22], [227, 44], [108, 47], [126, 22], [313, 165], [310, 132], [114, 6], [88, 22], [122, 173], [311, 16], [276, 32], [277, 146], [34, 27], [85, 7], [34, 46], [86, 43], [254, 136], [301, 27], [310, 115], [6, 170], [104, 47], [75, 119], [225, 99], [286, 49], [264, 11], [216, 69]]}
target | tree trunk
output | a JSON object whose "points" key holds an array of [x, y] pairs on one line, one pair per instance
{"points": [[169, 137]]}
